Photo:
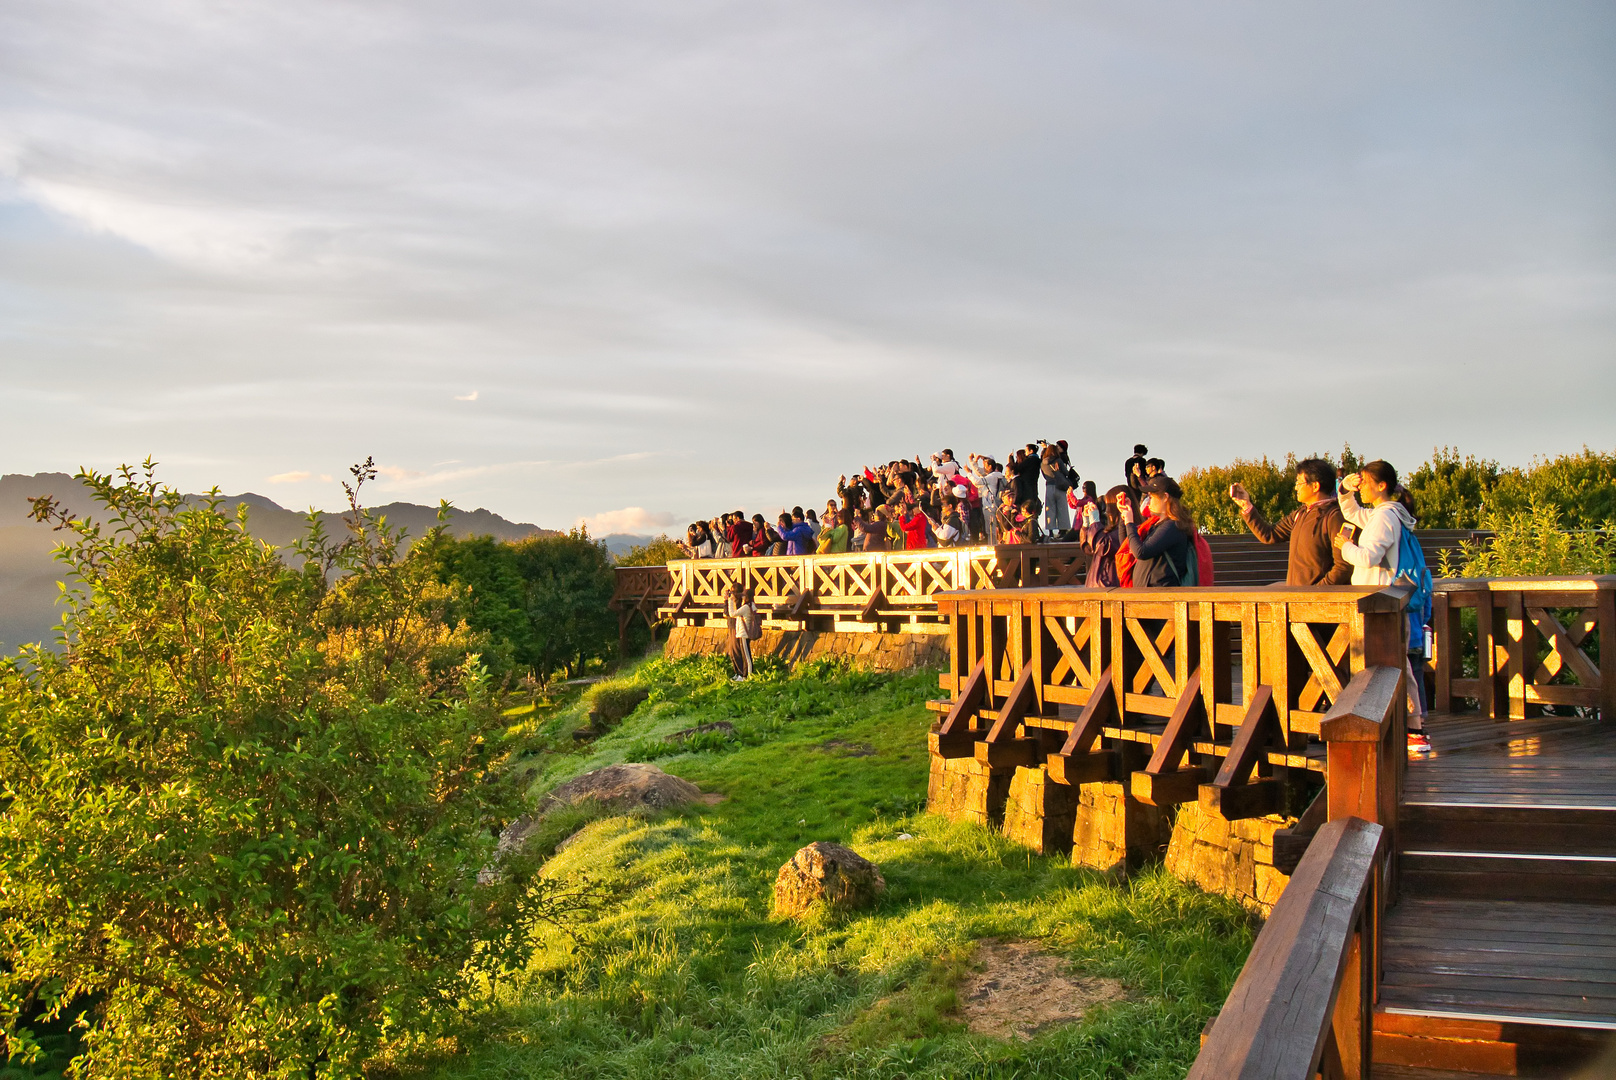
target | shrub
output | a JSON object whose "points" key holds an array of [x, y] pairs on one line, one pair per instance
{"points": [[245, 809], [1531, 543], [542, 600], [1206, 492], [1450, 492], [656, 553]]}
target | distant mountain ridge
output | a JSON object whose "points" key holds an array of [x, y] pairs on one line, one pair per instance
{"points": [[29, 574]]}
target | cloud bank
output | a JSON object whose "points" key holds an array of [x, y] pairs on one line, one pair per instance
{"points": [[710, 255]]}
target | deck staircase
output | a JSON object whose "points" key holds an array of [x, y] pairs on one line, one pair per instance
{"points": [[1499, 958]]}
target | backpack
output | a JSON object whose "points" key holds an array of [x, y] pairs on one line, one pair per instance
{"points": [[1412, 573], [1199, 570]]}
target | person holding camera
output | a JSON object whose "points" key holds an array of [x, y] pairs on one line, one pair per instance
{"points": [[1309, 530]]}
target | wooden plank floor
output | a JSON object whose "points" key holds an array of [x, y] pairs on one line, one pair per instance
{"points": [[1507, 960], [1545, 762]]}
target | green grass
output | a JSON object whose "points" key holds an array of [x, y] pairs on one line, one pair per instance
{"points": [[684, 974]]}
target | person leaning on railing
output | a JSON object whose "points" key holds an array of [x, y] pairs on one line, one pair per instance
{"points": [[1309, 529]]}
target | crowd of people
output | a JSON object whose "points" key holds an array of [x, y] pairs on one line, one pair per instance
{"points": [[1139, 534]]}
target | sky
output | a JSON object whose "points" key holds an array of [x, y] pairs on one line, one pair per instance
{"points": [[631, 263]]}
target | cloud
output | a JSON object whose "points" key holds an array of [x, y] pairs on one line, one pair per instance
{"points": [[636, 520], [296, 477], [467, 397]]}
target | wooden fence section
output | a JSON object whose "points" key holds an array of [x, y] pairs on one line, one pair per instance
{"points": [[1303, 1002], [839, 587], [851, 591], [1531, 645], [1216, 683]]}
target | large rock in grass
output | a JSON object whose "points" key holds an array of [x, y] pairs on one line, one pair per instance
{"points": [[830, 874], [631, 786]]}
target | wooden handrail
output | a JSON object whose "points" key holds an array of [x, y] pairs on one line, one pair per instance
{"points": [[1303, 1000], [1515, 619]]}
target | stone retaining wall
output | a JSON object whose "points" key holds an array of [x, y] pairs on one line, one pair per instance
{"points": [[1231, 858], [876, 652]]}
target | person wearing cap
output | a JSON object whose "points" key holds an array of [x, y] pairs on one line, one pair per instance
{"points": [[1161, 559], [1309, 529]]}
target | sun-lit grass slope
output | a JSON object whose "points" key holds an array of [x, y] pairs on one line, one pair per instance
{"points": [[684, 974]]}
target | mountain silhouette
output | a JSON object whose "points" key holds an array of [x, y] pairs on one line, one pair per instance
{"points": [[29, 574]]}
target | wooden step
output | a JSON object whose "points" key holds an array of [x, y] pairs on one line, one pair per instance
{"points": [[1440, 826], [1544, 964], [1482, 875], [1413, 1047]]}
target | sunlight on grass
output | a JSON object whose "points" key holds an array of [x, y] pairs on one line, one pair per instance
{"points": [[683, 973]]}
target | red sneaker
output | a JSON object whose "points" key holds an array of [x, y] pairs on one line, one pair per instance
{"points": [[1419, 742]]}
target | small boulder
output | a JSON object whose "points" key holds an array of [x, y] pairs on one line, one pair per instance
{"points": [[625, 787], [826, 873]]}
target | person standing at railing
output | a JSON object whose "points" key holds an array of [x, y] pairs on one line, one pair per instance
{"points": [[795, 534], [950, 528], [916, 528], [1079, 502], [739, 534], [1310, 529], [1059, 478], [990, 485], [1161, 558], [812, 519], [834, 537], [1369, 500]]}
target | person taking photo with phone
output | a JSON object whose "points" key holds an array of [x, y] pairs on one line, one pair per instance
{"points": [[1309, 529]]}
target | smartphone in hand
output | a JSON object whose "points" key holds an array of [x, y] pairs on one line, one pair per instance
{"points": [[1238, 491]]}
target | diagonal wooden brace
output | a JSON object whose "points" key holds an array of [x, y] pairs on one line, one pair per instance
{"points": [[1078, 762], [1163, 782], [1231, 795]]}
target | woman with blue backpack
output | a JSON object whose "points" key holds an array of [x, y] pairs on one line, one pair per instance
{"points": [[1387, 553]]}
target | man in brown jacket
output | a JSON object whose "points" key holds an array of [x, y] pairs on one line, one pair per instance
{"points": [[1313, 560]]}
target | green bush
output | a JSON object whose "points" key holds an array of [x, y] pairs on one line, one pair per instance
{"points": [[610, 702], [1581, 486], [245, 809], [542, 600], [1532, 543], [1450, 492], [1206, 492], [656, 553]]}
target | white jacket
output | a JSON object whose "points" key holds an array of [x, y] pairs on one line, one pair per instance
{"points": [[1374, 556]]}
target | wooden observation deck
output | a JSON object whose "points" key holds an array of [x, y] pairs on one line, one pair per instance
{"points": [[1449, 915]]}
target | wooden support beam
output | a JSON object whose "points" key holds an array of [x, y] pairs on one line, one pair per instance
{"points": [[1163, 782], [953, 736], [1231, 794], [1000, 748], [868, 612], [1078, 762], [1291, 844]]}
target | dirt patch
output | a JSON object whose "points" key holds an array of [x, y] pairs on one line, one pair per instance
{"points": [[711, 798], [843, 748], [1017, 990]]}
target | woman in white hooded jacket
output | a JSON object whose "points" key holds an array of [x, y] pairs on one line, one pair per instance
{"points": [[1369, 501]]}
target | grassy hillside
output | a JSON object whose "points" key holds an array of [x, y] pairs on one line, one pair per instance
{"points": [[682, 972]]}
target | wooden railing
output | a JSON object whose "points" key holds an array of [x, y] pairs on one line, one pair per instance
{"points": [[1218, 684], [1303, 1003], [1530, 646], [840, 586], [861, 587]]}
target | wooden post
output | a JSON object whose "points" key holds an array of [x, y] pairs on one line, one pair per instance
{"points": [[1445, 635], [1606, 597]]}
